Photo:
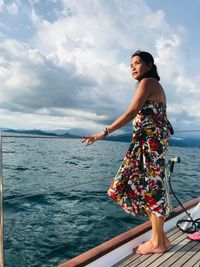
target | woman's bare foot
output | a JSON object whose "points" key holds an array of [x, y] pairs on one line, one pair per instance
{"points": [[149, 248], [167, 242]]}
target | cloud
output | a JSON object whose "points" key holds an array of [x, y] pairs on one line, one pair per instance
{"points": [[182, 87], [30, 81], [72, 62], [11, 8]]}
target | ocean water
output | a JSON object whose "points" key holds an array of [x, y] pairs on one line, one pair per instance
{"points": [[50, 217]]}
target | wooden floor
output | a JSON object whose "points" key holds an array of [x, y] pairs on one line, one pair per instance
{"points": [[183, 252]]}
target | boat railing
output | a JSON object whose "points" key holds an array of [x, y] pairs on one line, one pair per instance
{"points": [[8, 135], [1, 206], [45, 192]]}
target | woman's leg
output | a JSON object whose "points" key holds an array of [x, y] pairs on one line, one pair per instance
{"points": [[166, 240], [158, 242]]}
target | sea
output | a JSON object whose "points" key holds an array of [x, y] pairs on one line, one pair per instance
{"points": [[55, 196]]}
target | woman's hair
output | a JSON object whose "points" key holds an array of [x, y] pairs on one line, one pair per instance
{"points": [[147, 58]]}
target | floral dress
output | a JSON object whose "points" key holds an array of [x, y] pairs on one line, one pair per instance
{"points": [[138, 185]]}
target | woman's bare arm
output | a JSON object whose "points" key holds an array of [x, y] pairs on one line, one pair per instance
{"points": [[142, 93]]}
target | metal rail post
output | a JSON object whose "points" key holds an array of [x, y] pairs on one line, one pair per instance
{"points": [[1, 206]]}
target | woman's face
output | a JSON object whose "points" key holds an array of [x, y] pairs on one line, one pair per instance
{"points": [[138, 67]]}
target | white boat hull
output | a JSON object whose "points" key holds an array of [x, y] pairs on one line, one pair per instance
{"points": [[116, 249]]}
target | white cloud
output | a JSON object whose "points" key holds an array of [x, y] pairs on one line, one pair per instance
{"points": [[182, 87], [1, 5], [46, 120], [12, 8], [78, 62]]}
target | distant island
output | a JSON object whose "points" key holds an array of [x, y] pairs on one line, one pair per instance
{"points": [[181, 142], [39, 133]]}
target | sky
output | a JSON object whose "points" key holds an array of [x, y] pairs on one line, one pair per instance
{"points": [[65, 64]]}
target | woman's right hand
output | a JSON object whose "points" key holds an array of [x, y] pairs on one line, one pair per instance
{"points": [[90, 139]]}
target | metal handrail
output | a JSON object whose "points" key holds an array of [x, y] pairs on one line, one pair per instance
{"points": [[49, 192], [3, 135], [1, 207]]}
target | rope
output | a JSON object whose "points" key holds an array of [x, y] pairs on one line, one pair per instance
{"points": [[186, 131], [48, 192], [18, 135], [194, 224]]}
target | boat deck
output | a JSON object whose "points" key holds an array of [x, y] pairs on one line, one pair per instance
{"points": [[183, 252]]}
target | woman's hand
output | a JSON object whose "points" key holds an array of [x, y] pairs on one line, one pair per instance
{"points": [[90, 139]]}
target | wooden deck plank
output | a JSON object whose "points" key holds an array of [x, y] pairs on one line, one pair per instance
{"points": [[179, 255], [175, 236], [171, 234], [157, 259], [191, 256], [196, 265], [124, 262], [108, 247], [172, 231], [183, 252]]}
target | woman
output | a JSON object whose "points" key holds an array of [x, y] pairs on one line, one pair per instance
{"points": [[138, 185]]}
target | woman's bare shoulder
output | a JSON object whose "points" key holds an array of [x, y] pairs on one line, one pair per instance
{"points": [[150, 81], [157, 92]]}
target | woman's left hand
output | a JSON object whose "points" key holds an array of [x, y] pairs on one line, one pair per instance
{"points": [[90, 139]]}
